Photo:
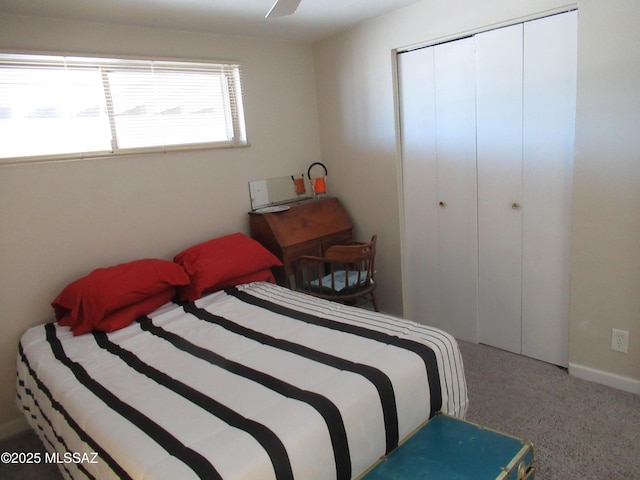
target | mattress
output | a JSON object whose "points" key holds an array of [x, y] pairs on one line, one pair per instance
{"points": [[254, 382]]}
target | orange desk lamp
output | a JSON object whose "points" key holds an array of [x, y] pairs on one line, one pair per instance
{"points": [[298, 185], [318, 184]]}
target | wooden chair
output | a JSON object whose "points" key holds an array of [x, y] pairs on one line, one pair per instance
{"points": [[345, 274]]}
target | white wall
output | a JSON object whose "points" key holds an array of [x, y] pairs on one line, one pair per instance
{"points": [[355, 81], [61, 220], [605, 291]]}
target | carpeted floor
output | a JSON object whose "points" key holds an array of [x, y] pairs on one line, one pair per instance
{"points": [[580, 430], [26, 442]]}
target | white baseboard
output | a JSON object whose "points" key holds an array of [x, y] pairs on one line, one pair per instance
{"points": [[13, 427], [605, 378]]}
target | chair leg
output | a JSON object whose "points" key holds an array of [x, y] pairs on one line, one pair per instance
{"points": [[374, 301]]}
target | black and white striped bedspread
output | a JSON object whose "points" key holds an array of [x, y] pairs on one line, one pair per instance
{"points": [[257, 382]]}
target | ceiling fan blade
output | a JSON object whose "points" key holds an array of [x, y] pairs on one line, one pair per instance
{"points": [[283, 8]]}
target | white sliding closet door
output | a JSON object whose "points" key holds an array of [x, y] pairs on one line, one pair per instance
{"points": [[550, 46], [420, 185], [439, 175], [499, 57], [487, 125], [525, 81], [457, 187]]}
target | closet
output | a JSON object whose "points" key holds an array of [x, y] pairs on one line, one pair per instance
{"points": [[487, 130]]}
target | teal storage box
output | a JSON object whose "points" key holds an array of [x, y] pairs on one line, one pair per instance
{"points": [[447, 448]]}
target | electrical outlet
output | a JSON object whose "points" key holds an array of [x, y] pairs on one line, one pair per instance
{"points": [[619, 340]]}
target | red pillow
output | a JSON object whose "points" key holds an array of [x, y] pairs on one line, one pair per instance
{"points": [[213, 264], [124, 316], [265, 275], [84, 303]]}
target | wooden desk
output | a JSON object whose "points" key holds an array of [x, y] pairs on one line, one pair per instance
{"points": [[306, 228]]}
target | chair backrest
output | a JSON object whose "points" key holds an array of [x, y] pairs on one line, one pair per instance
{"points": [[357, 260], [345, 273], [352, 253]]}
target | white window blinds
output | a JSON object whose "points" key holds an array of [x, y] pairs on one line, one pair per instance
{"points": [[76, 106]]}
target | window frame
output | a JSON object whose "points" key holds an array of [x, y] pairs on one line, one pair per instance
{"points": [[233, 100]]}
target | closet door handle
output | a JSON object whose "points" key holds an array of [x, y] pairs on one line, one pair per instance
{"points": [[515, 206], [442, 204]]}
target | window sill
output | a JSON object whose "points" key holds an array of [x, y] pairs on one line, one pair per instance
{"points": [[75, 157]]}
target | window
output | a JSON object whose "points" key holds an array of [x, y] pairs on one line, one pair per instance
{"points": [[78, 107]]}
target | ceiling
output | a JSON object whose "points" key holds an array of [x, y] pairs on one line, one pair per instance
{"points": [[314, 19]]}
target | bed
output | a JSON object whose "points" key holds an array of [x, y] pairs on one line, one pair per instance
{"points": [[253, 381]]}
